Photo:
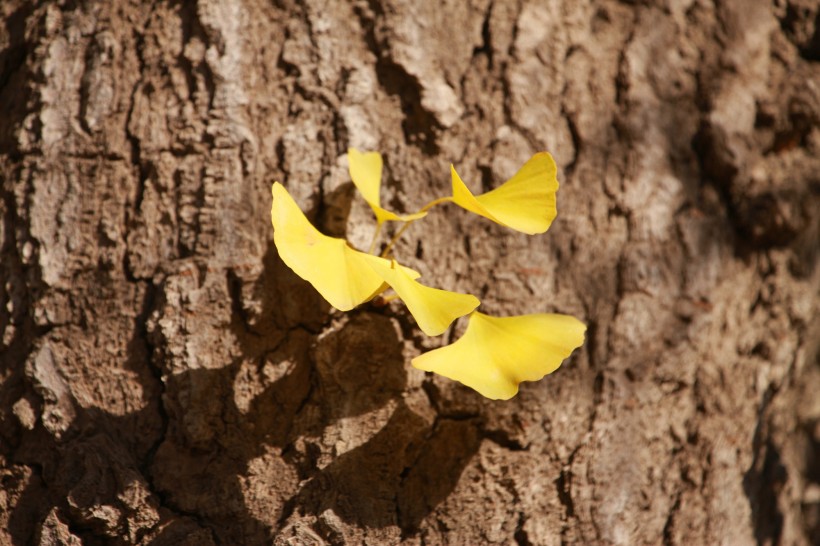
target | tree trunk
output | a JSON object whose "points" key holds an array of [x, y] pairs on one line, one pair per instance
{"points": [[166, 379]]}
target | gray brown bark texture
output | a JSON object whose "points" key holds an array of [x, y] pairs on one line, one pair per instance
{"points": [[166, 379]]}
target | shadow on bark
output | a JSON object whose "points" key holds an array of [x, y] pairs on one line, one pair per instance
{"points": [[195, 479], [764, 481]]}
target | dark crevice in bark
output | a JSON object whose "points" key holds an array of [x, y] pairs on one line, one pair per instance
{"points": [[419, 250], [17, 313], [192, 28], [486, 178], [598, 388], [621, 79], [13, 56], [765, 479], [16, 100], [504, 438], [509, 92], [796, 24], [234, 284], [20, 278], [140, 169], [563, 485], [520, 535], [592, 343], [420, 126], [142, 336], [486, 47], [577, 142], [279, 150], [510, 53], [25, 277], [718, 168], [668, 527], [91, 54]]}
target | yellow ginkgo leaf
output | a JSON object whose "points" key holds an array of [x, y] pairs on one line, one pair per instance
{"points": [[525, 202], [340, 273], [496, 354], [366, 173], [433, 309]]}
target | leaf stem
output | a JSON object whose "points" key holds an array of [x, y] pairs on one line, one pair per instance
{"points": [[435, 202], [395, 238], [375, 238], [406, 225]]}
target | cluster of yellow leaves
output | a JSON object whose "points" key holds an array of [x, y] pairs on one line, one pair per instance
{"points": [[495, 354]]}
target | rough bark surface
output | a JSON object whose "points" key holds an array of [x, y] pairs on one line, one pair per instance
{"points": [[167, 380]]}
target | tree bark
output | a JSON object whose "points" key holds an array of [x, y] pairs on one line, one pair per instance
{"points": [[166, 379]]}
